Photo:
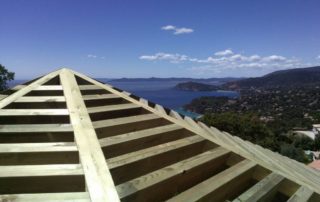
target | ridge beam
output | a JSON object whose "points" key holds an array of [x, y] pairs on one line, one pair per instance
{"points": [[98, 178]]}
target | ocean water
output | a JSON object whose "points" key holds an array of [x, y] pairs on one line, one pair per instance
{"points": [[163, 93], [160, 92]]}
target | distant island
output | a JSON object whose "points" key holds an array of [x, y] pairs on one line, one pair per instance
{"points": [[195, 86], [214, 81]]}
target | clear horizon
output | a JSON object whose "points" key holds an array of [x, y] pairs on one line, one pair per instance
{"points": [[142, 39]]}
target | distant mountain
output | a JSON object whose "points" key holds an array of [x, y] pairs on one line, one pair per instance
{"points": [[194, 86], [284, 78], [215, 81]]}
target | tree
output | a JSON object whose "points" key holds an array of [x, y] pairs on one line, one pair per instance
{"points": [[5, 76], [317, 142], [292, 152]]}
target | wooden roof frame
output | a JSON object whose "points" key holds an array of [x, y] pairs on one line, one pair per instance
{"points": [[99, 182]]}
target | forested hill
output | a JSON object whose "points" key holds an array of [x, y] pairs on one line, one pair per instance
{"points": [[194, 86], [285, 78]]}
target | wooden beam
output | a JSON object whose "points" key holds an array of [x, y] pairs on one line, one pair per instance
{"points": [[124, 120], [40, 170], [170, 178], [303, 194], [153, 158], [132, 141], [41, 178], [38, 147], [34, 128], [3, 96], [89, 87], [33, 112], [109, 108], [38, 153], [58, 87], [48, 87], [11, 98], [116, 126], [99, 96], [264, 157], [263, 190], [152, 151], [48, 197], [98, 178], [213, 189], [41, 99], [229, 143]]}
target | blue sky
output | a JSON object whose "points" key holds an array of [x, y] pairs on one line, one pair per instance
{"points": [[164, 38]]}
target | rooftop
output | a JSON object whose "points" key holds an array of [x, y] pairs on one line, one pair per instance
{"points": [[67, 137]]}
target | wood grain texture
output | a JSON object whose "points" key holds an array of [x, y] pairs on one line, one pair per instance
{"points": [[98, 178]]}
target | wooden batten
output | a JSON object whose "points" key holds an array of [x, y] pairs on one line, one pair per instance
{"points": [[171, 178], [153, 158], [129, 142], [49, 197], [41, 99], [263, 190]]}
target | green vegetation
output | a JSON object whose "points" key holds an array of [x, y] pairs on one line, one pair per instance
{"points": [[248, 126], [281, 109], [194, 86], [5, 77]]}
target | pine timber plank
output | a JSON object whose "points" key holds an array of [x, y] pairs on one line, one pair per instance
{"points": [[303, 194], [153, 158], [215, 137], [11, 98], [124, 120], [40, 170], [2, 96], [38, 153], [109, 108], [116, 126], [211, 189], [58, 87], [41, 99], [264, 190], [33, 112], [34, 128], [98, 178], [229, 142], [41, 178], [38, 147], [152, 151], [47, 197], [169, 178], [99, 96], [132, 141]]}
